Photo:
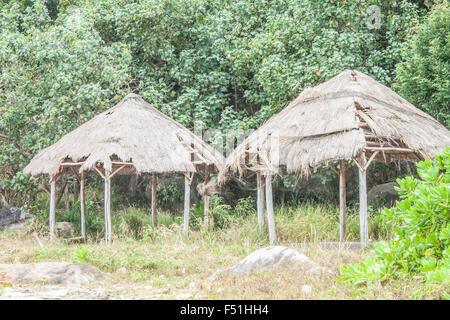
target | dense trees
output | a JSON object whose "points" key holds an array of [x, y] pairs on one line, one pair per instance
{"points": [[227, 64], [423, 76]]}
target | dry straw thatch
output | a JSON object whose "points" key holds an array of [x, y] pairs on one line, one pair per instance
{"points": [[349, 115], [133, 133]]}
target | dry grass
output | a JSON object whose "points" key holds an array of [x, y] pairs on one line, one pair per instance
{"points": [[165, 264]]}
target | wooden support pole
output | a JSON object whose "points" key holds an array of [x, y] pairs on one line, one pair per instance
{"points": [[83, 207], [342, 201], [154, 213], [260, 199], [206, 199], [206, 210], [52, 207], [187, 196], [107, 207], [363, 221], [270, 213]]}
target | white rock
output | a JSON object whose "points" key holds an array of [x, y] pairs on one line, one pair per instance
{"points": [[306, 289], [192, 285], [271, 257], [123, 270], [51, 272], [184, 296]]}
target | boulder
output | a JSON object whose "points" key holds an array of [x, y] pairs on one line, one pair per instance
{"points": [[50, 272], [64, 229], [383, 195], [13, 218], [273, 257]]}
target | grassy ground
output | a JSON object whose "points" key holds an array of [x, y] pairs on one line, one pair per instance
{"points": [[161, 264]]}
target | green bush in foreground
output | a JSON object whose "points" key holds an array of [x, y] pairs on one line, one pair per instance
{"points": [[420, 220]]}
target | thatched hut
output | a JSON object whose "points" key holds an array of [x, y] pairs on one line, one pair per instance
{"points": [[350, 117], [130, 138]]}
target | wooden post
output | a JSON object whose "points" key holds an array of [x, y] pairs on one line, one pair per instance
{"points": [[260, 199], [206, 210], [342, 201], [154, 214], [206, 200], [363, 221], [83, 207], [187, 196], [107, 207], [270, 214], [52, 207]]}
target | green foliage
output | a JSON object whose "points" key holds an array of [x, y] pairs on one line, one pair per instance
{"points": [[225, 64], [245, 206], [169, 195], [54, 76], [421, 224], [81, 255], [423, 77]]}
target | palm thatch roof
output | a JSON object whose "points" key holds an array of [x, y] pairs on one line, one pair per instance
{"points": [[349, 115], [133, 137]]}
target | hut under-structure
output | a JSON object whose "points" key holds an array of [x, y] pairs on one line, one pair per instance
{"points": [[351, 117], [130, 138]]}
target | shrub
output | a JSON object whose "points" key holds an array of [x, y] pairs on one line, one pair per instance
{"points": [[420, 220]]}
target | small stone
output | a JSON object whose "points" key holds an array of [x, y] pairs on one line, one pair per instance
{"points": [[219, 290], [318, 271], [306, 289], [192, 285], [184, 296], [123, 270]]}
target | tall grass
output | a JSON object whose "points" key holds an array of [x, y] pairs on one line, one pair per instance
{"points": [[306, 222]]}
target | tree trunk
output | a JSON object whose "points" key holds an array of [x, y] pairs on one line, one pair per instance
{"points": [[66, 198], [76, 190], [132, 186]]}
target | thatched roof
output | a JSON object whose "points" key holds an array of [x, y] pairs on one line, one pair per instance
{"points": [[131, 134], [340, 119]]}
